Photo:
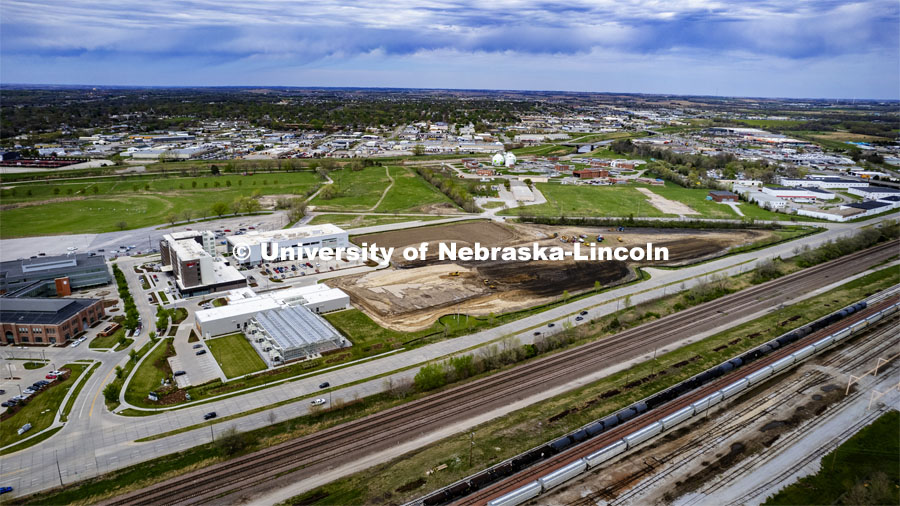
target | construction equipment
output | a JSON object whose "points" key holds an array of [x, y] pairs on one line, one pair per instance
{"points": [[454, 273], [619, 238]]}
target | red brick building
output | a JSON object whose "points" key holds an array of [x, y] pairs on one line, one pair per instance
{"points": [[723, 196], [45, 322], [591, 173]]}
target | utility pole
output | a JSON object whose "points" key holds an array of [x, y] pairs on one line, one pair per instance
{"points": [[211, 435], [471, 447]]}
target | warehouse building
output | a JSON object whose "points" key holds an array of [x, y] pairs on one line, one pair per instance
{"points": [[52, 276], [799, 194], [191, 258], [293, 333], [310, 236], [37, 321], [824, 182], [874, 192]]}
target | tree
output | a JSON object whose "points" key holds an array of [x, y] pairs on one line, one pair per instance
{"points": [[187, 214], [418, 150], [597, 286], [219, 208], [119, 371], [565, 296], [231, 441], [429, 377], [236, 205], [214, 170], [111, 393], [122, 225], [133, 355]]}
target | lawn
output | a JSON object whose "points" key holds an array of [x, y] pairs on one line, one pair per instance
{"points": [[356, 190], [410, 193], [235, 355], [108, 341], [117, 205], [863, 470], [41, 408], [150, 373], [572, 200], [366, 220]]}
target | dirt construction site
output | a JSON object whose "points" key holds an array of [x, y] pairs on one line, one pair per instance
{"points": [[409, 296]]}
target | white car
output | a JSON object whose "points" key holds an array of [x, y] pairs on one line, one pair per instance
{"points": [[318, 402], [55, 373]]}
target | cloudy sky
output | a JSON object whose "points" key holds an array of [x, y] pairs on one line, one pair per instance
{"points": [[781, 48]]}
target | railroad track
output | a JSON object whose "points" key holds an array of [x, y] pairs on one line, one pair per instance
{"points": [[542, 468], [844, 359], [383, 429]]}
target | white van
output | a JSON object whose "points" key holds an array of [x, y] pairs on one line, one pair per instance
{"points": [[25, 428]]}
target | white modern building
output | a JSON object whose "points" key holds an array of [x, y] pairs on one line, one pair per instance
{"points": [[824, 182], [799, 194], [245, 304], [191, 258], [310, 236], [874, 192]]}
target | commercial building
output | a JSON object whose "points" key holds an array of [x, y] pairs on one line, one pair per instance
{"points": [[590, 173], [244, 304], [310, 236], [723, 196], [874, 192], [293, 333], [37, 276], [799, 194], [847, 212], [46, 322], [824, 182], [191, 257]]}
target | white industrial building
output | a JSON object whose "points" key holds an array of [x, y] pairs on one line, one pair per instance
{"points": [[762, 199], [799, 194], [245, 304], [874, 192], [824, 182], [310, 236]]}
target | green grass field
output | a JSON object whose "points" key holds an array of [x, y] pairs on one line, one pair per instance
{"points": [[365, 220], [108, 341], [40, 410], [149, 374], [624, 200], [410, 193], [117, 203], [863, 470], [571, 200], [357, 190], [235, 355]]}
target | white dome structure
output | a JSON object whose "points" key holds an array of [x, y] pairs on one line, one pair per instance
{"points": [[510, 159], [498, 160]]}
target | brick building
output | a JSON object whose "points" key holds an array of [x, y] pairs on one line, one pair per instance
{"points": [[45, 322]]}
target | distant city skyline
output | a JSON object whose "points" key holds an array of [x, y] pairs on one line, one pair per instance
{"points": [[774, 48]]}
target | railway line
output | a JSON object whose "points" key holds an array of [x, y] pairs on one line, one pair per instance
{"points": [[350, 441], [606, 439], [850, 357]]}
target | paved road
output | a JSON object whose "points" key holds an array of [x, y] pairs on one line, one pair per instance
{"points": [[96, 441]]}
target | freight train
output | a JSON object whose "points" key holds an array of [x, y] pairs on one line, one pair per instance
{"points": [[565, 473]]}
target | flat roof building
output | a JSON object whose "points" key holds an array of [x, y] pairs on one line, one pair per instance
{"points": [[191, 256], [44, 322], [824, 182], [874, 192], [37, 276], [325, 235]]}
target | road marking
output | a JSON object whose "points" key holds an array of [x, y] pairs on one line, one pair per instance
{"points": [[91, 412]]}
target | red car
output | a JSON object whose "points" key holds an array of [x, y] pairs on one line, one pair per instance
{"points": [[227, 230], [50, 376]]}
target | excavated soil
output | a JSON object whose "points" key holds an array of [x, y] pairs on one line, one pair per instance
{"points": [[411, 296]]}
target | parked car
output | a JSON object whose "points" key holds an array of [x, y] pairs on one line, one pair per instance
{"points": [[551, 324], [325, 385], [579, 318], [4, 490], [537, 332], [198, 346], [584, 313], [318, 402], [201, 352], [25, 428], [179, 373], [210, 415], [51, 376]]}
